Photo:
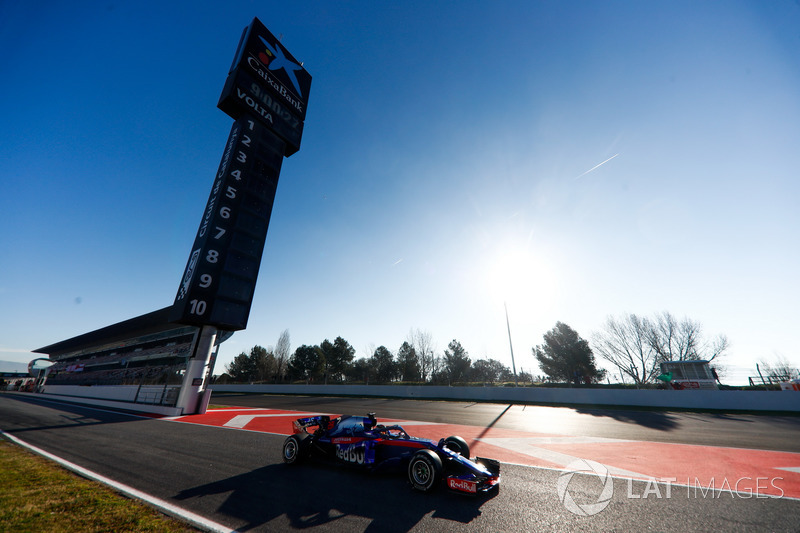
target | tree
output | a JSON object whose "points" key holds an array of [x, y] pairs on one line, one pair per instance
{"points": [[637, 346], [308, 362], [456, 362], [490, 371], [683, 340], [565, 356], [408, 363], [438, 370], [282, 352], [362, 369], [338, 356], [779, 369], [383, 362], [422, 343], [625, 343], [263, 361], [242, 368], [258, 365]]}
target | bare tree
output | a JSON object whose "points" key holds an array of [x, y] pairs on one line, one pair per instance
{"points": [[422, 342], [625, 343], [683, 340], [779, 369], [282, 352], [637, 345]]}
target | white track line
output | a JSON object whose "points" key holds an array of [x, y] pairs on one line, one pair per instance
{"points": [[240, 421], [165, 507]]}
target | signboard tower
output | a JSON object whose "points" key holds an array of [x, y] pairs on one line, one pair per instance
{"points": [[266, 93]]}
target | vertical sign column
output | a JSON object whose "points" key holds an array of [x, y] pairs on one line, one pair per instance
{"points": [[221, 273], [266, 93]]}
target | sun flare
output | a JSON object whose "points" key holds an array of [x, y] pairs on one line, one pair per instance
{"points": [[521, 275]]}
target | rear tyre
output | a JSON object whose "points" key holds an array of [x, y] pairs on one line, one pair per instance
{"points": [[295, 449], [424, 470], [458, 445]]}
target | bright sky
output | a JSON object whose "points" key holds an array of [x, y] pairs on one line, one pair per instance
{"points": [[573, 159]]}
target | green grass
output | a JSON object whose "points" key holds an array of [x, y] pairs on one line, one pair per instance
{"points": [[38, 495]]}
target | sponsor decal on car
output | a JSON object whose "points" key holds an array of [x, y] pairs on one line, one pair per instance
{"points": [[347, 440], [351, 454], [463, 485]]}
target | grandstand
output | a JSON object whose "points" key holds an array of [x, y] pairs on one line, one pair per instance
{"points": [[140, 361]]}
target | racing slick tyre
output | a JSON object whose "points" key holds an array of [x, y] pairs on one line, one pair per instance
{"points": [[458, 445], [424, 470], [295, 449]]}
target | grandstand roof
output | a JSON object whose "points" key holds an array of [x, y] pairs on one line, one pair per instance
{"points": [[155, 322]]}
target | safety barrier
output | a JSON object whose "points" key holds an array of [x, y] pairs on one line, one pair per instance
{"points": [[716, 400]]}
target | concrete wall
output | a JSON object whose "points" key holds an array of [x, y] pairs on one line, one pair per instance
{"points": [[113, 404], [123, 393], [117, 396], [788, 401]]}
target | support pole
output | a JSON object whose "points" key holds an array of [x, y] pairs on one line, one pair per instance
{"points": [[193, 387], [511, 346]]}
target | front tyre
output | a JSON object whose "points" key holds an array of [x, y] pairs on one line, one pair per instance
{"points": [[424, 470], [458, 445], [294, 450]]}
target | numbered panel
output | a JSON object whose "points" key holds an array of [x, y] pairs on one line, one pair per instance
{"points": [[220, 276]]}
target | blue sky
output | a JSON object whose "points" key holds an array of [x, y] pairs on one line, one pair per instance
{"points": [[575, 160]]}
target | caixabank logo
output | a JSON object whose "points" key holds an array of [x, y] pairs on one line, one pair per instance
{"points": [[271, 64]]}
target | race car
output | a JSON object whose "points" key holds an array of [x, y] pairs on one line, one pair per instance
{"points": [[362, 442]]}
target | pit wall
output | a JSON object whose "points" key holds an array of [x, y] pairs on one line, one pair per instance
{"points": [[714, 400], [122, 393], [112, 396]]}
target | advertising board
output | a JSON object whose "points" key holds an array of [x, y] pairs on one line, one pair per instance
{"points": [[266, 80]]}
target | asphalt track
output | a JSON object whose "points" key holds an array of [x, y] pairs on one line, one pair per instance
{"points": [[233, 475]]}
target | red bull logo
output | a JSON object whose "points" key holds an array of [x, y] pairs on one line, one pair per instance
{"points": [[462, 484]]}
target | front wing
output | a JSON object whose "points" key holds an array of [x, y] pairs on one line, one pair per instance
{"points": [[478, 476]]}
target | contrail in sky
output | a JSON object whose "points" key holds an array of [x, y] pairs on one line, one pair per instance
{"points": [[597, 166]]}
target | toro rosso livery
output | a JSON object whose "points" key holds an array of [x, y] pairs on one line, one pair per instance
{"points": [[362, 442]]}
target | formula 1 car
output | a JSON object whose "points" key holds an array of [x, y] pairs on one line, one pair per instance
{"points": [[362, 442]]}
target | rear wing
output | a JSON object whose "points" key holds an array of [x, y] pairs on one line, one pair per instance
{"points": [[301, 425]]}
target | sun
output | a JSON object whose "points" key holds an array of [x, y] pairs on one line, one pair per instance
{"points": [[517, 274]]}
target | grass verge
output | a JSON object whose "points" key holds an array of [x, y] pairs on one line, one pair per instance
{"points": [[37, 495]]}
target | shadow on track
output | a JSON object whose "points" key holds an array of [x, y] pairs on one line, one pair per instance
{"points": [[491, 424], [55, 418], [650, 419], [317, 494]]}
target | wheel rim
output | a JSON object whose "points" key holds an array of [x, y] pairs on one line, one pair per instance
{"points": [[421, 472], [290, 449]]}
